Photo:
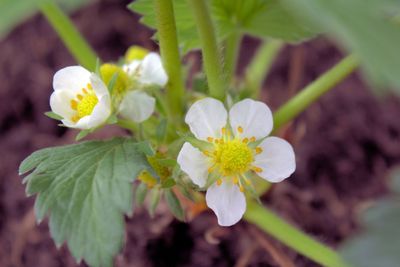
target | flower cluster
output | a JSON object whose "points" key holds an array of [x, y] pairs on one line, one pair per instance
{"points": [[237, 147], [84, 101]]}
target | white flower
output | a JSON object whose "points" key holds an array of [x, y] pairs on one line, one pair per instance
{"points": [[233, 153], [148, 71], [80, 98], [136, 104]]}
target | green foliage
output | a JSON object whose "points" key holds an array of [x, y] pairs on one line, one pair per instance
{"points": [[13, 12], [364, 27], [174, 204], [261, 18], [86, 189], [379, 243]]}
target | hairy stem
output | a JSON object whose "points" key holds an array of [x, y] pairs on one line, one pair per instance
{"points": [[170, 55], [210, 50], [292, 237], [315, 90], [232, 46], [72, 39], [260, 65]]}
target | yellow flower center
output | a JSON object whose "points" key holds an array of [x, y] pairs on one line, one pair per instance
{"points": [[233, 157], [84, 103]]}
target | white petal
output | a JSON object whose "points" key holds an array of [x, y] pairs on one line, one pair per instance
{"points": [[72, 78], [206, 118], [227, 202], [60, 103], [152, 70], [132, 68], [98, 85], [277, 159], [194, 164], [253, 116], [137, 106]]}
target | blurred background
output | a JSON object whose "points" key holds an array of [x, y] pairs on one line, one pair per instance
{"points": [[346, 144]]}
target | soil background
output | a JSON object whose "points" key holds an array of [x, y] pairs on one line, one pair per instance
{"points": [[345, 145]]}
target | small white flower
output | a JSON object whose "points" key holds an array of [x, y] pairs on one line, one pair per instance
{"points": [[136, 104], [148, 71], [234, 153], [80, 98]]}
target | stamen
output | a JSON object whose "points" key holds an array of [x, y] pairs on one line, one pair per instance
{"points": [[89, 86], [245, 140], [253, 139], [207, 153], [257, 169], [210, 139], [240, 129], [84, 91], [241, 188], [80, 97], [74, 104], [223, 130], [259, 150], [219, 182], [210, 169], [216, 141], [235, 180]]}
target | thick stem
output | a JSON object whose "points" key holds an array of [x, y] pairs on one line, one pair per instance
{"points": [[212, 59], [313, 91], [292, 237], [170, 55], [260, 65], [232, 45], [70, 36]]}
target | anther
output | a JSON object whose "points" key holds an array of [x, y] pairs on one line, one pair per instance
{"points": [[241, 188], [235, 180], [84, 91], [257, 169], [80, 97], [89, 86], [259, 150], [219, 182], [223, 130], [210, 139], [240, 129], [74, 104], [253, 139], [245, 140]]}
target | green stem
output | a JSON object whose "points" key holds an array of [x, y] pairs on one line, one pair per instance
{"points": [[232, 45], [313, 91], [292, 237], [68, 33], [260, 65], [170, 55], [210, 51]]}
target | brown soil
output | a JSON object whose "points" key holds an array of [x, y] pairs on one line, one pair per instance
{"points": [[345, 145]]}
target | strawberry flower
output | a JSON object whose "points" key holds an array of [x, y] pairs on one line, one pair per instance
{"points": [[80, 98], [238, 146]]}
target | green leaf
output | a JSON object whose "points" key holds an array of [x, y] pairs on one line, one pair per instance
{"points": [[141, 193], [379, 243], [86, 189], [155, 195], [82, 134], [174, 204], [363, 27], [168, 183], [261, 18], [161, 130], [53, 115]]}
